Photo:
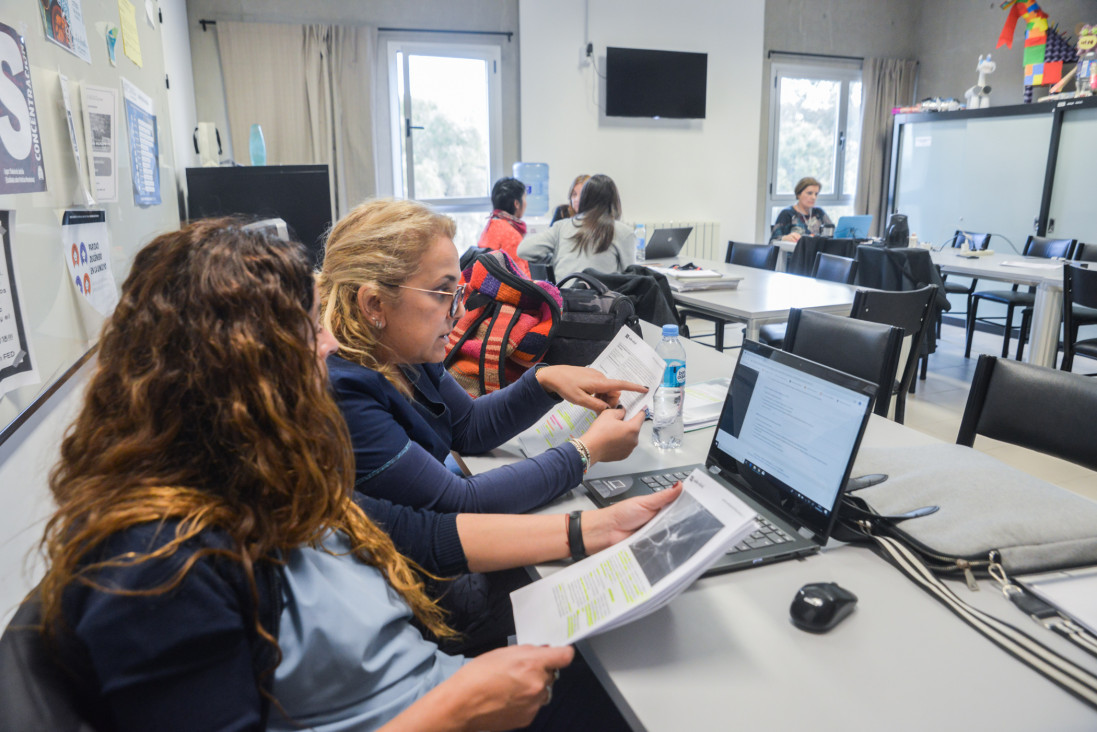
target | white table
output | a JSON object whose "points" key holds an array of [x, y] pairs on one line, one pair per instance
{"points": [[1047, 312], [724, 655], [765, 297]]}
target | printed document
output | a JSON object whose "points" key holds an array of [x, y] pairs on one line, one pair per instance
{"points": [[639, 575], [687, 280], [704, 401], [626, 357]]}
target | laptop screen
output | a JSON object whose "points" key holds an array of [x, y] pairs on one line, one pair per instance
{"points": [[789, 430], [853, 227]]}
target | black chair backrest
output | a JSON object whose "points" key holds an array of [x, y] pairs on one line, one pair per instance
{"points": [[35, 693], [978, 241], [1046, 410], [1085, 252], [759, 256], [908, 310], [1039, 246], [832, 268], [867, 350], [1079, 288]]}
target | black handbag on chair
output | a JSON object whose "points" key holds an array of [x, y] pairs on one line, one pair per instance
{"points": [[590, 318]]}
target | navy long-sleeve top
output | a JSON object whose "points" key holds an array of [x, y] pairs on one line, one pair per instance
{"points": [[400, 444]]}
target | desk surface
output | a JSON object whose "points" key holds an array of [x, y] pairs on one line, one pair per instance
{"points": [[990, 267], [724, 655]]}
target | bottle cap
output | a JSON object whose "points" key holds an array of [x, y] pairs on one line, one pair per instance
{"points": [[670, 331]]}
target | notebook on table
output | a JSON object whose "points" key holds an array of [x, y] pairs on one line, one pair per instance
{"points": [[666, 243], [853, 227], [785, 443]]}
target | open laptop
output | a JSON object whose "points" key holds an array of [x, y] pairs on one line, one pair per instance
{"points": [[853, 227], [785, 443], [666, 243]]}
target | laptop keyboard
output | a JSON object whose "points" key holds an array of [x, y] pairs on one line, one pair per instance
{"points": [[767, 534]]}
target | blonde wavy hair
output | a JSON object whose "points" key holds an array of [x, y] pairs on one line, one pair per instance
{"points": [[379, 243], [208, 410]]}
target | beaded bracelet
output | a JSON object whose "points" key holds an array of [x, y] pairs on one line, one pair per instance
{"points": [[584, 453]]}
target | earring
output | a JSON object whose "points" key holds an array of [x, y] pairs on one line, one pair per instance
{"points": [[377, 324]]}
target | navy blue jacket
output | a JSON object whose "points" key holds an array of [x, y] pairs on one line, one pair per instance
{"points": [[400, 444]]}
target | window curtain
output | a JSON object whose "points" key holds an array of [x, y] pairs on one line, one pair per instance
{"points": [[309, 89], [887, 83]]}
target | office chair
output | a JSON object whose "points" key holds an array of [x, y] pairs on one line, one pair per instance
{"points": [[1079, 307], [36, 693], [961, 240], [867, 350], [759, 256], [910, 310], [828, 267], [1049, 411], [1036, 246]]}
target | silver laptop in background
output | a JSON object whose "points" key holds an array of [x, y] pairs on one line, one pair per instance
{"points": [[666, 243]]}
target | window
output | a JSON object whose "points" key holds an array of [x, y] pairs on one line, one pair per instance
{"points": [[445, 115], [815, 130]]}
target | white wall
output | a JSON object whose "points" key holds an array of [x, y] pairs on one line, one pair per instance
{"points": [[25, 503], [177, 64], [665, 169]]}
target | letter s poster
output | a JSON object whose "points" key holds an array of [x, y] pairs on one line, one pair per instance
{"points": [[21, 168], [85, 244]]}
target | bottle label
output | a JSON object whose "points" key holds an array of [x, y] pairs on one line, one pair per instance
{"points": [[674, 374]]}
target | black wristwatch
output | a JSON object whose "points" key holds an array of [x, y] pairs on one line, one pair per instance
{"points": [[575, 536]]}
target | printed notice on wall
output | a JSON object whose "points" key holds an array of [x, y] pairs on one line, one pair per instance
{"points": [[21, 168], [101, 140], [144, 148], [82, 196], [17, 365], [64, 22], [131, 44], [85, 244]]}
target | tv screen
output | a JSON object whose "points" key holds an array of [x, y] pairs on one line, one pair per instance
{"points": [[297, 194], [643, 83]]}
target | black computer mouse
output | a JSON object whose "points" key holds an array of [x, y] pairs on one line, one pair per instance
{"points": [[820, 606]]}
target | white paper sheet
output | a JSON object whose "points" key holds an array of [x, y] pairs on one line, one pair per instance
{"points": [[704, 401], [82, 196], [101, 140], [85, 245], [626, 357], [639, 575], [1072, 591], [18, 366]]}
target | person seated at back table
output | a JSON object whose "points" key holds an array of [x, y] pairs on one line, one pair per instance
{"points": [[569, 209], [803, 218], [505, 227], [207, 566], [594, 237], [390, 292]]}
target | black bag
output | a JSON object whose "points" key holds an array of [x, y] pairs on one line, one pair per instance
{"points": [[591, 317]]}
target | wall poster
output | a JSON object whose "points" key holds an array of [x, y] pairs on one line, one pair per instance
{"points": [[21, 168], [17, 365]]}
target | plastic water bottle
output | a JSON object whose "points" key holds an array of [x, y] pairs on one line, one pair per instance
{"points": [[671, 393], [641, 244], [257, 146]]}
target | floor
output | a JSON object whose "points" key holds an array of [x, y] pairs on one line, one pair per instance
{"points": [[938, 405]]}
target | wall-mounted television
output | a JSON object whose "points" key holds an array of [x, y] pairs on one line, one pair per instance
{"points": [[642, 83]]}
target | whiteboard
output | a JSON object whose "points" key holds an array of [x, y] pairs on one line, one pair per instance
{"points": [[60, 324], [979, 174]]}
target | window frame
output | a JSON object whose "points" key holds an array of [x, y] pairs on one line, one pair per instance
{"points": [[836, 70], [491, 53]]}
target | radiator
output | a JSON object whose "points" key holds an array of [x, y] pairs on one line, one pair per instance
{"points": [[703, 242]]}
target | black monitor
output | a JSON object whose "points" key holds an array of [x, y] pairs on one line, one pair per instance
{"points": [[641, 83], [297, 194]]}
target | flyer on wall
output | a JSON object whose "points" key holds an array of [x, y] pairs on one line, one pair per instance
{"points": [[144, 148], [101, 140], [85, 244], [17, 364], [64, 22], [21, 167], [82, 195]]}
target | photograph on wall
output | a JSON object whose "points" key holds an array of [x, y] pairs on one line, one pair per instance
{"points": [[101, 140], [144, 148], [21, 168], [17, 365], [85, 245], [64, 22]]}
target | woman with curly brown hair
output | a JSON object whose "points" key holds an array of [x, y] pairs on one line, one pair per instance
{"points": [[207, 561]]}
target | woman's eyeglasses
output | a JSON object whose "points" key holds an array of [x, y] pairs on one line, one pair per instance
{"points": [[457, 294]]}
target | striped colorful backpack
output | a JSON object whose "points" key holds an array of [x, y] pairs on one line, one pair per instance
{"points": [[508, 323]]}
